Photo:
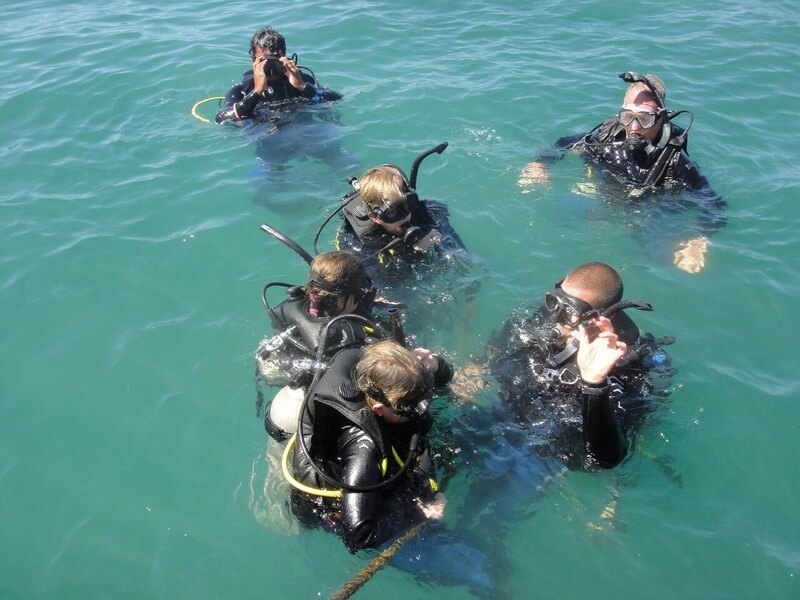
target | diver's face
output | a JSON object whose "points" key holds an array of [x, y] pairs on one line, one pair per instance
{"points": [[573, 316], [641, 108], [388, 414], [397, 228]]}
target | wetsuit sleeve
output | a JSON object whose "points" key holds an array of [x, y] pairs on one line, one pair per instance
{"points": [[363, 523], [712, 207], [604, 437], [444, 372], [316, 93], [559, 149], [240, 102]]}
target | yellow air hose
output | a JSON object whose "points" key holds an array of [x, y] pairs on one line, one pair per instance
{"points": [[194, 108]]}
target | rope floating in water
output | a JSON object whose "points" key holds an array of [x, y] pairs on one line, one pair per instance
{"points": [[377, 563]]}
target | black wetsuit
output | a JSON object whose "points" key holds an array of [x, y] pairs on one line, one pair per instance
{"points": [[603, 147], [365, 239], [241, 101], [349, 442], [303, 333], [584, 427]]}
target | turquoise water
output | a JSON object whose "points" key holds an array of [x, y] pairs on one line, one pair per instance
{"points": [[132, 461]]}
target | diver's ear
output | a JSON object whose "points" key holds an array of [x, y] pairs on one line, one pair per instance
{"points": [[373, 218], [380, 409]]}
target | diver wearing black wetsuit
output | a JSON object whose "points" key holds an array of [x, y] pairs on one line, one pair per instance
{"points": [[641, 148], [394, 232], [584, 424], [336, 303], [272, 79], [432, 242], [297, 336], [350, 441]]}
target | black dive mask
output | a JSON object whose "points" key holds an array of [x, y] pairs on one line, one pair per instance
{"points": [[572, 311], [565, 308], [364, 290], [611, 311], [394, 212], [415, 409]]}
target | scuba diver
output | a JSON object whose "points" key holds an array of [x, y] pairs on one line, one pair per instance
{"points": [[359, 461], [337, 284], [644, 150], [273, 78], [392, 230], [577, 373]]}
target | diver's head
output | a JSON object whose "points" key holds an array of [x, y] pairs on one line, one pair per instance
{"points": [[643, 111], [591, 286], [338, 284], [388, 197], [394, 382], [267, 42]]}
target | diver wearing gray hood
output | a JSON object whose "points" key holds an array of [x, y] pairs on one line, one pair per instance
{"points": [[643, 149]]}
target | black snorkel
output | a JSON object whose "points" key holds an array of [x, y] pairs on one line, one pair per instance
{"points": [[289, 242], [302, 68], [298, 250], [301, 442], [353, 181], [610, 311]]}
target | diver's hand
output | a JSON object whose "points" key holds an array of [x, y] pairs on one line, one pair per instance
{"points": [[534, 173], [434, 509], [691, 257], [293, 74], [259, 77], [597, 357], [427, 358]]}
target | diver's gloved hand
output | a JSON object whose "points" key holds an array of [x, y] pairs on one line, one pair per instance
{"points": [[691, 257], [598, 354]]}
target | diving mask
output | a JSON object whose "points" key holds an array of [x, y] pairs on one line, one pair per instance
{"points": [[395, 211], [631, 112], [565, 308]]}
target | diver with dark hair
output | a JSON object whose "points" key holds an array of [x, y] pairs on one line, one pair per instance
{"points": [[578, 372], [395, 232], [642, 148], [359, 461], [273, 78]]}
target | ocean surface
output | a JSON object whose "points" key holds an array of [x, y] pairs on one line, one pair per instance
{"points": [[132, 462]]}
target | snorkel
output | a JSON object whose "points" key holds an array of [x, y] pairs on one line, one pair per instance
{"points": [[412, 181]]}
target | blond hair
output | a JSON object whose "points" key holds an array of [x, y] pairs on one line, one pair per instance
{"points": [[389, 373], [340, 270], [381, 185]]}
